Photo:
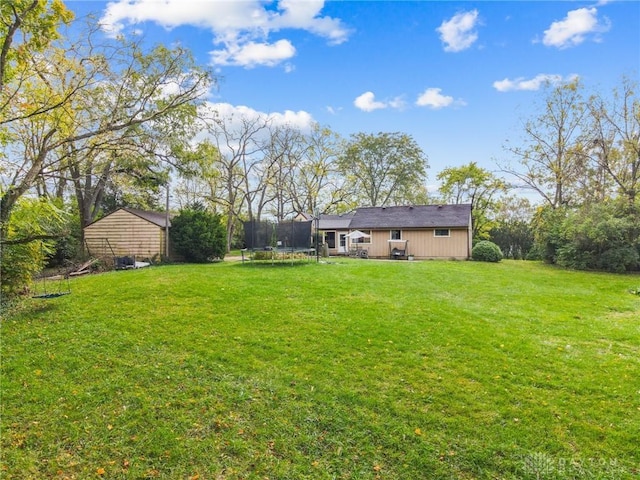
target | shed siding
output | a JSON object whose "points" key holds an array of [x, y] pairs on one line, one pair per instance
{"points": [[127, 234], [423, 244]]}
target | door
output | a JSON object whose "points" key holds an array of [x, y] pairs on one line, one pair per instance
{"points": [[343, 243]]}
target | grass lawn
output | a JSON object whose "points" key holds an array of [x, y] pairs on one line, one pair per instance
{"points": [[352, 369]]}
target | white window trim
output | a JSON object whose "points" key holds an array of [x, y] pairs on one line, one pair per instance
{"points": [[442, 236], [392, 230]]}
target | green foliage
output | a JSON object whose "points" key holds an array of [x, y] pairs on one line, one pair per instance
{"points": [[36, 25], [20, 263], [387, 168], [515, 239], [475, 186], [29, 239], [486, 251], [198, 235], [69, 246], [603, 236]]}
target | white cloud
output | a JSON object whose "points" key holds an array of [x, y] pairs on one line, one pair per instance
{"points": [[306, 15], [234, 115], [574, 28], [532, 84], [252, 54], [459, 33], [237, 119], [242, 28], [367, 102], [434, 99]]}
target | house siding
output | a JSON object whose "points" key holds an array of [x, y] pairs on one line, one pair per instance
{"points": [[126, 234], [422, 244]]}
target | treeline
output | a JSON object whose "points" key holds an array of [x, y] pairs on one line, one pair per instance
{"points": [[89, 124], [581, 155]]}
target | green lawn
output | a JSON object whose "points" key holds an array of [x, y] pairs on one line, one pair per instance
{"points": [[352, 369]]}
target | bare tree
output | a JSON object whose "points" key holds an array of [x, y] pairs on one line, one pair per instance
{"points": [[550, 160], [613, 142], [240, 143]]}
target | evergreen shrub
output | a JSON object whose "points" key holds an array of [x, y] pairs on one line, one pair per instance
{"points": [[486, 251]]}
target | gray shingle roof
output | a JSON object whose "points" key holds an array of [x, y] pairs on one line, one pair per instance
{"points": [[416, 216], [335, 222], [157, 218]]}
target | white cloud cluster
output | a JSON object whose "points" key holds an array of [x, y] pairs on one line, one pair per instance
{"points": [[367, 102], [242, 29], [234, 115], [458, 33], [430, 98], [531, 84], [575, 28]]}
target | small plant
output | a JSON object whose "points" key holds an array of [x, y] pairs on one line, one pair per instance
{"points": [[635, 291], [486, 251]]}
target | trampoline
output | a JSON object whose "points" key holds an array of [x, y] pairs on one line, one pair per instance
{"points": [[277, 241]]}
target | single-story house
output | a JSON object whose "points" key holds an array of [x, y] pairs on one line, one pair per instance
{"points": [[417, 231], [128, 232]]}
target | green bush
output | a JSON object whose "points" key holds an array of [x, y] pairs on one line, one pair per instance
{"points": [[604, 236], [486, 251], [198, 235], [23, 254]]}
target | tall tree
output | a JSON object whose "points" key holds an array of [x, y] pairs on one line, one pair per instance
{"points": [[476, 186], [27, 29], [317, 185], [283, 156], [613, 142], [240, 143], [106, 92], [200, 177], [550, 161], [384, 168]]}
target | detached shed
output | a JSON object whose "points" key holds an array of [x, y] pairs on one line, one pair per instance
{"points": [[128, 232]]}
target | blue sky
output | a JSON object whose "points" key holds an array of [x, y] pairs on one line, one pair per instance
{"points": [[459, 77]]}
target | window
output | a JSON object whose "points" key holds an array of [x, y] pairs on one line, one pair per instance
{"points": [[395, 235], [441, 232], [330, 239], [366, 239]]}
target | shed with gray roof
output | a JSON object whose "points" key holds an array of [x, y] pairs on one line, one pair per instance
{"points": [[128, 232]]}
